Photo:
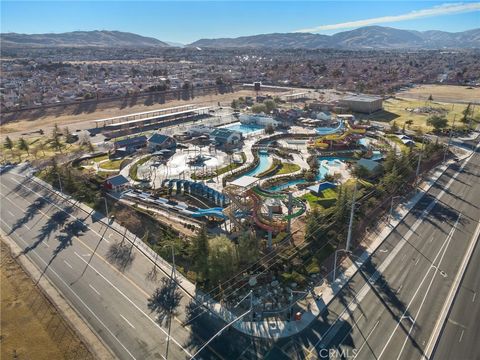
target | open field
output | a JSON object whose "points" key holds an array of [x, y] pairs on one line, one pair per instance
{"points": [[31, 327], [80, 116], [444, 93], [399, 110]]}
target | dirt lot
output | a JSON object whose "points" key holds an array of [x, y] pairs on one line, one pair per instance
{"points": [[31, 327], [444, 93], [79, 116]]}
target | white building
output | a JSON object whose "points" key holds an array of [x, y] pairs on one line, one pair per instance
{"points": [[259, 120]]}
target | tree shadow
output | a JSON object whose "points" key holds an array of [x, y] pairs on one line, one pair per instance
{"points": [[120, 255], [30, 212], [53, 224], [165, 300]]}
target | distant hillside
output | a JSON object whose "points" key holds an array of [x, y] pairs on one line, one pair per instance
{"points": [[81, 38], [370, 37]]}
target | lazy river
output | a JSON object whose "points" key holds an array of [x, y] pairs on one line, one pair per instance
{"points": [[325, 163]]}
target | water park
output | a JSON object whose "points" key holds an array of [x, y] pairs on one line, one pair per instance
{"points": [[255, 172]]}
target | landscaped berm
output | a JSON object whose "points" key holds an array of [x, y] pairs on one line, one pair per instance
{"points": [[31, 327]]}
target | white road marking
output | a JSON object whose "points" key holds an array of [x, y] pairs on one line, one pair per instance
{"points": [[11, 214], [46, 244], [73, 292], [473, 297], [91, 287], [442, 251], [128, 322], [366, 339], [134, 305], [461, 336], [66, 263]]}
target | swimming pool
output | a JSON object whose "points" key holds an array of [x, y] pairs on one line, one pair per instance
{"points": [[323, 168], [329, 130], [244, 128]]}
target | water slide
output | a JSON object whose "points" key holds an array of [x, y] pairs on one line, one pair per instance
{"points": [[327, 131], [216, 212], [296, 202], [352, 133], [179, 207], [260, 221]]}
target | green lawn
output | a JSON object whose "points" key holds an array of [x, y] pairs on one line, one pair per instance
{"points": [[288, 168], [111, 165]]}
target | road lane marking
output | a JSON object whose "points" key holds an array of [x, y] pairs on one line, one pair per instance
{"points": [[91, 287], [345, 314], [366, 339], [473, 297], [73, 292], [442, 251], [461, 336], [128, 322], [66, 263], [11, 214], [131, 302], [45, 243], [453, 290]]}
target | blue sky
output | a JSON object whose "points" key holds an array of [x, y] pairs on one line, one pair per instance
{"points": [[187, 21]]}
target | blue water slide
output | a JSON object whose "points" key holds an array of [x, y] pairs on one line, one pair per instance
{"points": [[217, 212]]}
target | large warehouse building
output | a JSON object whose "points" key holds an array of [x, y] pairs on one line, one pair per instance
{"points": [[362, 103]]}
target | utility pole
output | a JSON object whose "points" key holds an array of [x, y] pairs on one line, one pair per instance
{"points": [[449, 140], [59, 182], [352, 212], [106, 207], [172, 277], [290, 199], [419, 161], [270, 216]]}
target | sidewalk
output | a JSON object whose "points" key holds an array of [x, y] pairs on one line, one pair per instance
{"points": [[321, 296], [316, 301]]}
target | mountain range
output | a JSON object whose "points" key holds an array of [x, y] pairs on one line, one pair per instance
{"points": [[369, 37], [99, 38]]}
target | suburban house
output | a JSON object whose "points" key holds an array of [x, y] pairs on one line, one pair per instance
{"points": [[116, 183], [225, 137], [158, 142], [130, 145]]}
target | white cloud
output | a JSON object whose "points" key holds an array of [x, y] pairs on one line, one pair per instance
{"points": [[444, 9]]}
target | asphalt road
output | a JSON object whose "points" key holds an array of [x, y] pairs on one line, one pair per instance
{"points": [[461, 333], [74, 256], [390, 308]]}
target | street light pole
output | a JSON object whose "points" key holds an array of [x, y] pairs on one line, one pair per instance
{"points": [[59, 182], [449, 140], [106, 207], [335, 262], [352, 212]]}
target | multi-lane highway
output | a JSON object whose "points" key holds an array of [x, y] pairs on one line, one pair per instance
{"points": [[392, 307], [71, 248], [461, 332]]}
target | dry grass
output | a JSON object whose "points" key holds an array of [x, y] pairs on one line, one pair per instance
{"points": [[445, 93], [396, 110], [80, 116], [31, 327]]}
